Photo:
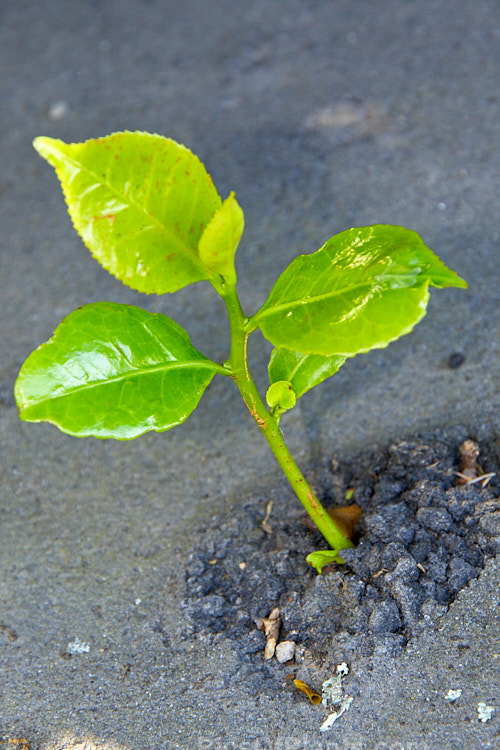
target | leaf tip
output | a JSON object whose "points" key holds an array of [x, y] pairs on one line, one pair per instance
{"points": [[449, 278], [38, 142], [45, 146]]}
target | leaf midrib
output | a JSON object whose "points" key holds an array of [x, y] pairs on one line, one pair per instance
{"points": [[144, 372], [169, 235], [276, 308]]}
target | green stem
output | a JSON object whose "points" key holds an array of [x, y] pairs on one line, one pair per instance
{"points": [[238, 365]]}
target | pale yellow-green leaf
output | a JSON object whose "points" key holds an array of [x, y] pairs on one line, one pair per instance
{"points": [[140, 202], [221, 237]]}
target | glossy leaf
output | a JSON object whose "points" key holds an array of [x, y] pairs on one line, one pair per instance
{"points": [[140, 202], [303, 371], [221, 237], [364, 288], [113, 370]]}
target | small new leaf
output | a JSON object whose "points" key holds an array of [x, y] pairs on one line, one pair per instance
{"points": [[113, 371], [221, 237], [324, 557], [303, 371], [363, 289], [140, 203], [280, 397]]}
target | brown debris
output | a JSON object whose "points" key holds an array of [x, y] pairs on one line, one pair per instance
{"points": [[469, 451], [346, 517], [9, 632], [19, 743], [313, 696], [380, 572], [271, 626], [470, 471], [264, 524]]}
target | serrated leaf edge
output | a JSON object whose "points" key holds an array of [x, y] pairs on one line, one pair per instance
{"points": [[47, 140]]}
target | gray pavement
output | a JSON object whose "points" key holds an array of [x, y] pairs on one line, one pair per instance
{"points": [[321, 116]]}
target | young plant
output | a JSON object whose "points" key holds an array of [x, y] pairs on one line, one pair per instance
{"points": [[148, 211]]}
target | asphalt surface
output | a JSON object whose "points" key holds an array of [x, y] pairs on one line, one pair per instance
{"points": [[321, 116]]}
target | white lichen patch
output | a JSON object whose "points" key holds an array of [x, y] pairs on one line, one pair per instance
{"points": [[332, 692], [77, 647], [342, 669], [453, 695], [334, 698], [484, 712]]}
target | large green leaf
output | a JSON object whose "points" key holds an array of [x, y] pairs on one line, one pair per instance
{"points": [[113, 370], [221, 237], [303, 371], [364, 288], [140, 202]]}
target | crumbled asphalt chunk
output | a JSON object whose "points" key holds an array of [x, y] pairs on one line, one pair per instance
{"points": [[406, 571], [422, 538], [386, 490], [436, 519], [385, 617], [252, 642], [459, 574]]}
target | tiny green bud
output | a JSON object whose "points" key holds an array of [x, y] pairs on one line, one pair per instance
{"points": [[280, 396]]}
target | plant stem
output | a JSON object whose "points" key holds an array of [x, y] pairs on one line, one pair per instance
{"points": [[238, 365]]}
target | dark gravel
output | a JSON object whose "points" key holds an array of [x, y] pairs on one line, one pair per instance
{"points": [[422, 538]]}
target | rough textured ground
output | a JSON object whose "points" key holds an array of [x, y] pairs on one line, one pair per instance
{"points": [[321, 116], [422, 539]]}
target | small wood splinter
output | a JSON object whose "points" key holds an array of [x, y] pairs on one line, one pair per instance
{"points": [[271, 626], [264, 524]]}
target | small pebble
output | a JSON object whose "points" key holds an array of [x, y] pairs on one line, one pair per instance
{"points": [[212, 605], [77, 647], [285, 651]]}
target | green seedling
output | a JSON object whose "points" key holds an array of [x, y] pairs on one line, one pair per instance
{"points": [[148, 211]]}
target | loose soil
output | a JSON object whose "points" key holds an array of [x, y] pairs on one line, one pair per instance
{"points": [[422, 538]]}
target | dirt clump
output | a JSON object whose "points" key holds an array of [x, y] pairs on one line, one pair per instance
{"points": [[422, 537]]}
